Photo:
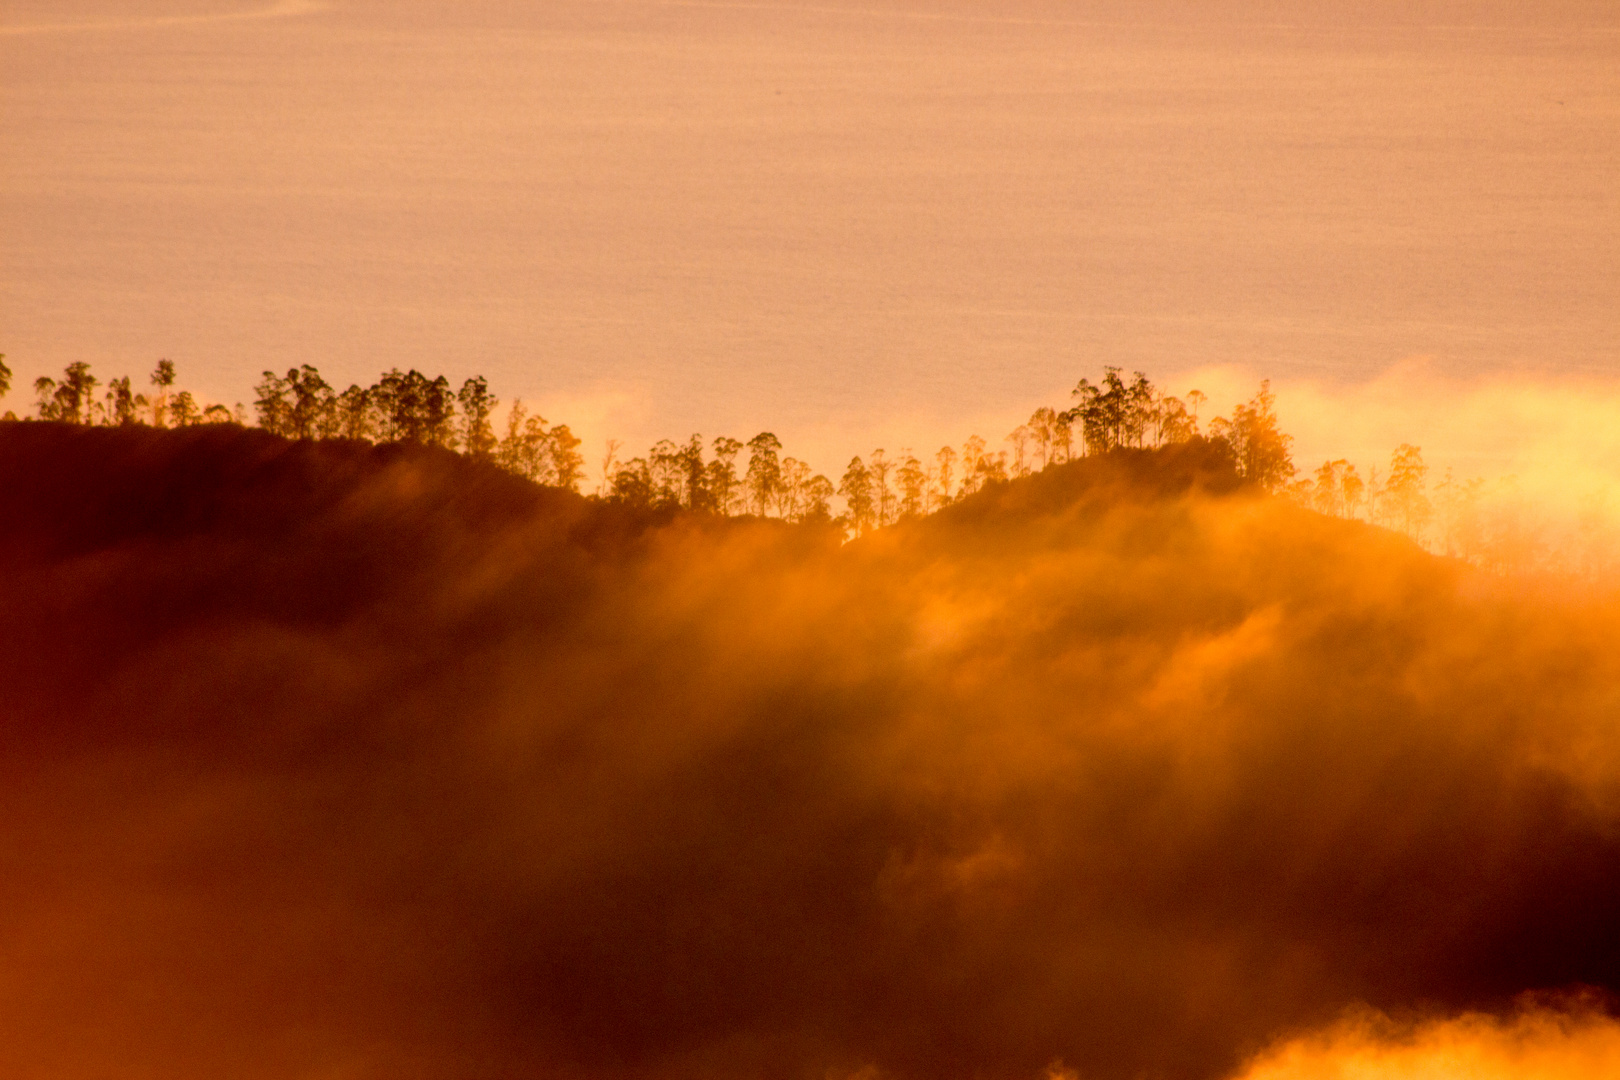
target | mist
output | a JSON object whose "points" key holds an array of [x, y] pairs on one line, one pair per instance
{"points": [[324, 759]]}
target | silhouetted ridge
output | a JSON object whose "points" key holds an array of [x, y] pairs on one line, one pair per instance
{"points": [[67, 488], [1197, 467]]}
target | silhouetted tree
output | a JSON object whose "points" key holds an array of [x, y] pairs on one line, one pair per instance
{"points": [[723, 474], [275, 412], [162, 378], [72, 400], [526, 449], [410, 407], [815, 500], [309, 403], [912, 480], [1195, 400], [878, 468], [1114, 413], [1043, 434], [1259, 448], [632, 483], [764, 476], [668, 473], [123, 406], [352, 414], [567, 463], [5, 377], [183, 411], [477, 403], [856, 489], [1022, 439]]}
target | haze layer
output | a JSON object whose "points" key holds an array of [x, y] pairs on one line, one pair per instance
{"points": [[325, 759]]}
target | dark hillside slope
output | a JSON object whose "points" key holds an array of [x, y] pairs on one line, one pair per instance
{"points": [[333, 760]]}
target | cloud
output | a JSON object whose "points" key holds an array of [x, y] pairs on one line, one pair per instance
{"points": [[1536, 1044]]}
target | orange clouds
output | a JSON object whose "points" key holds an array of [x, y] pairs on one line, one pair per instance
{"points": [[1537, 1044]]}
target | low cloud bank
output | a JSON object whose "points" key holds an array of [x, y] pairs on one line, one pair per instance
{"points": [[1538, 1043], [326, 760]]}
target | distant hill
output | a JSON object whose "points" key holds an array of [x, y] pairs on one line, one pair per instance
{"points": [[326, 759]]}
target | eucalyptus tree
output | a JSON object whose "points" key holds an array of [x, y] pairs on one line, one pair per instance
{"points": [[856, 488], [122, 406], [722, 473], [477, 403], [764, 476], [162, 378], [71, 401], [1259, 447]]}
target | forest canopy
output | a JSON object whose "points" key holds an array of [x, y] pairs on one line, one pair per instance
{"points": [[1451, 515]]}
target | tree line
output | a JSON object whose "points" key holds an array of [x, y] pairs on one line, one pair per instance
{"points": [[723, 476], [727, 476], [880, 490]]}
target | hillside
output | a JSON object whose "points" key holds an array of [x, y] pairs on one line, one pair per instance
{"points": [[325, 759]]}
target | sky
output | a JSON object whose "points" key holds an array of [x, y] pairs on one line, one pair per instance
{"points": [[854, 224]]}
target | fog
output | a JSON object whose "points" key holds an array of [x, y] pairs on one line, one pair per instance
{"points": [[325, 760]]}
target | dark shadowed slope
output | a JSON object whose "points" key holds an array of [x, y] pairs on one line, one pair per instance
{"points": [[331, 760]]}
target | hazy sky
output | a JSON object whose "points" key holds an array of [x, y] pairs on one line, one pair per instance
{"points": [[855, 223]]}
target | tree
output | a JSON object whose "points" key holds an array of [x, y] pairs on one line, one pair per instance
{"points": [[526, 449], [351, 413], [410, 407], [764, 476], [477, 403], [5, 377], [1406, 502], [913, 481], [1043, 435], [946, 463], [795, 474], [667, 473], [1174, 424], [856, 489], [183, 411], [123, 405], [72, 400], [815, 503], [1062, 437], [1260, 449], [690, 474], [162, 378], [309, 403], [1114, 413], [1195, 398], [878, 469], [1022, 439], [567, 463], [275, 413], [723, 474], [632, 483], [972, 471]]}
